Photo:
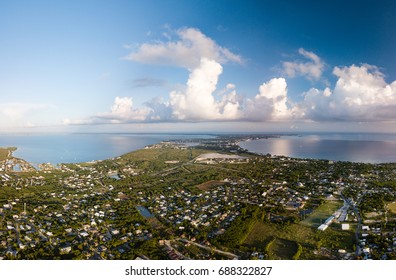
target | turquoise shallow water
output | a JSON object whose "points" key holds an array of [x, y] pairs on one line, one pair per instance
{"points": [[368, 148]]}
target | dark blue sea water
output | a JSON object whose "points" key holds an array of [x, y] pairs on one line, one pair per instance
{"points": [[72, 148], [365, 147]]}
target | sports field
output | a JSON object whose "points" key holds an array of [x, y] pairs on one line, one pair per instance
{"points": [[320, 214]]}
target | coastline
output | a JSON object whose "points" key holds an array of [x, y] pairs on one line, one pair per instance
{"points": [[354, 147], [348, 147], [75, 148]]}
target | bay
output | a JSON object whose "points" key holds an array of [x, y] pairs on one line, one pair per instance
{"points": [[73, 148], [354, 147]]}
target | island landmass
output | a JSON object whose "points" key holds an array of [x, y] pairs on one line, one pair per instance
{"points": [[197, 199]]}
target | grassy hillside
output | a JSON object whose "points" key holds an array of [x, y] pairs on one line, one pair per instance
{"points": [[5, 152]]}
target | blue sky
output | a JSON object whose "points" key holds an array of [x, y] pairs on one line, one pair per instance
{"points": [[197, 66]]}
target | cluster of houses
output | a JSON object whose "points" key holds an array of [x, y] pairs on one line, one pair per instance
{"points": [[218, 206], [15, 164], [377, 243], [64, 229], [167, 145], [80, 208], [210, 208]]}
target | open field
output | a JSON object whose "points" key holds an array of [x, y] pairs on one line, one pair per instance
{"points": [[282, 249], [3, 153], [320, 214], [209, 185], [160, 159], [391, 210], [261, 234], [281, 242], [165, 154], [392, 207]]}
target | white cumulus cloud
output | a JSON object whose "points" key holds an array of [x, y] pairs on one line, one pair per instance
{"points": [[197, 102], [122, 109], [186, 52], [360, 94], [270, 103], [311, 69]]}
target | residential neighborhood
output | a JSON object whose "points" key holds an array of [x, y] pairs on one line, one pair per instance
{"points": [[172, 201]]}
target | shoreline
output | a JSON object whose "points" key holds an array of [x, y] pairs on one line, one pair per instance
{"points": [[234, 143], [314, 147]]}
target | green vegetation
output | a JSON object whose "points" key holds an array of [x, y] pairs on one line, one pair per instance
{"points": [[240, 228], [392, 207], [281, 241], [298, 253], [321, 213], [6, 152], [266, 207], [334, 238], [296, 241], [374, 202], [282, 249], [153, 160]]}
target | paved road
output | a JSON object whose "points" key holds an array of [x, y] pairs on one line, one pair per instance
{"points": [[358, 227], [357, 233]]}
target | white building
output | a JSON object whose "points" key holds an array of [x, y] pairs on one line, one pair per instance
{"points": [[345, 226], [323, 227]]}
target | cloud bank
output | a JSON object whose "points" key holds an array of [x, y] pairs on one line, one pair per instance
{"points": [[121, 111], [359, 94]]}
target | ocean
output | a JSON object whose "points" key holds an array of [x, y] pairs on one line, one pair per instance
{"points": [[354, 147], [73, 148]]}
